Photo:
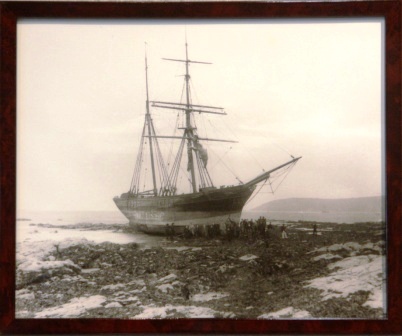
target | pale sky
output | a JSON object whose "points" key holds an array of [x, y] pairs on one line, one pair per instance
{"points": [[308, 88]]}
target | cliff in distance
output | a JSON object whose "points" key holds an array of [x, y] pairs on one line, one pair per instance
{"points": [[361, 204]]}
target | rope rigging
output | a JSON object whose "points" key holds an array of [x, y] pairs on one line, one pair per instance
{"points": [[271, 179]]}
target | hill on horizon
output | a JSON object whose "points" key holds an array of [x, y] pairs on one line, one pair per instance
{"points": [[374, 204]]}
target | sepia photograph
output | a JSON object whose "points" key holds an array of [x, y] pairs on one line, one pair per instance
{"points": [[225, 169]]}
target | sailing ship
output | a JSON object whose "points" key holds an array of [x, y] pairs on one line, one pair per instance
{"points": [[150, 211]]}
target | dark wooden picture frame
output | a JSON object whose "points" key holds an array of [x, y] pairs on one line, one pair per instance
{"points": [[11, 12]]}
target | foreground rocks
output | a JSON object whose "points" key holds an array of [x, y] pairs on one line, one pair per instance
{"points": [[241, 278]]}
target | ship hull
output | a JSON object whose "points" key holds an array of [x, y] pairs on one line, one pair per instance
{"points": [[151, 214]]}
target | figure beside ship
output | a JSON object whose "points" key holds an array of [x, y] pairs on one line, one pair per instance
{"points": [[151, 210]]}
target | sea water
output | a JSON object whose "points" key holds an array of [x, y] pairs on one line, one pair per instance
{"points": [[29, 230]]}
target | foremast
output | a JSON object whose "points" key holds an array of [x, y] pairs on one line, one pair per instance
{"points": [[149, 122], [158, 167]]}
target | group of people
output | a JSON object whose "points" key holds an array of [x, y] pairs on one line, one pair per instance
{"points": [[247, 228]]}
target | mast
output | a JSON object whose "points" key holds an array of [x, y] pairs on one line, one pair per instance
{"points": [[148, 118], [189, 129], [190, 134]]}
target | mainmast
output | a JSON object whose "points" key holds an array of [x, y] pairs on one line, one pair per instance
{"points": [[148, 118], [189, 128], [190, 135]]}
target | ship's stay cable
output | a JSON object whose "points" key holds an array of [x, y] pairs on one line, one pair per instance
{"points": [[135, 180], [174, 173], [237, 138], [220, 158], [284, 172], [170, 155], [163, 174], [230, 170], [255, 194], [159, 159]]}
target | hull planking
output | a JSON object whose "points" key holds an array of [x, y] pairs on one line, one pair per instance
{"points": [[210, 206]]}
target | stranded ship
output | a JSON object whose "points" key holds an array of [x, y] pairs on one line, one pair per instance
{"points": [[151, 210]]}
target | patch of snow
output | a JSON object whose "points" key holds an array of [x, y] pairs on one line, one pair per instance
{"points": [[34, 256], [165, 288], [25, 296], [73, 308], [89, 270], [22, 291], [351, 262], [376, 299], [327, 256], [208, 296], [138, 282], [113, 305], [167, 311], [285, 313], [22, 314], [352, 246], [228, 315], [113, 287], [353, 274], [248, 257], [168, 278], [130, 299], [333, 248]]}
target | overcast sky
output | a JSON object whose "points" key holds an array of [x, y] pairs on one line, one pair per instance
{"points": [[306, 88]]}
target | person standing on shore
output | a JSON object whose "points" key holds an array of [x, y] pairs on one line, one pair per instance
{"points": [[315, 229], [284, 234]]}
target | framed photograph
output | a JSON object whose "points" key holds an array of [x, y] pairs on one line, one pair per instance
{"points": [[217, 167]]}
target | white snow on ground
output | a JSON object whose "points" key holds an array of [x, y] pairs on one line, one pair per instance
{"points": [[286, 313], [327, 256], [165, 288], [38, 265], [208, 296], [168, 278], [74, 308], [352, 246], [376, 299], [138, 282], [248, 257], [169, 311], [113, 305], [33, 256], [25, 294], [113, 287], [351, 275], [90, 270]]}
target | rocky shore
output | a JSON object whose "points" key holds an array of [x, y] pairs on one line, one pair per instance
{"points": [[338, 273]]}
